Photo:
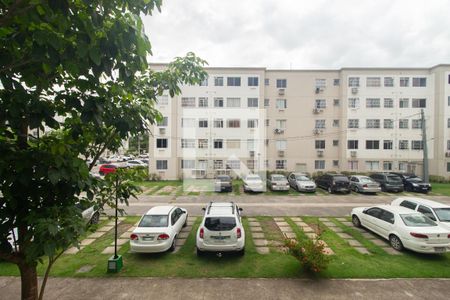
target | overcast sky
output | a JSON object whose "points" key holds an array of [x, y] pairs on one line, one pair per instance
{"points": [[303, 34]]}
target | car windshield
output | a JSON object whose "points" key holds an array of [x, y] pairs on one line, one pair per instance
{"points": [[365, 180], [253, 178], [154, 221], [415, 179], [393, 178], [302, 178], [443, 214], [340, 178], [417, 220], [223, 178], [278, 178], [220, 223]]}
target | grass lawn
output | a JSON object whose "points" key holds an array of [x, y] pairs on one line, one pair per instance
{"points": [[346, 263], [440, 189]]}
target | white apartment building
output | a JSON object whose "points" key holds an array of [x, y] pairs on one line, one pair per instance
{"points": [[243, 120]]}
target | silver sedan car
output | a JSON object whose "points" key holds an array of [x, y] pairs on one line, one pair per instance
{"points": [[364, 184]]}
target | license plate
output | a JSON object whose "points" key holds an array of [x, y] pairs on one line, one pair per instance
{"points": [[219, 237], [147, 238], [439, 249]]}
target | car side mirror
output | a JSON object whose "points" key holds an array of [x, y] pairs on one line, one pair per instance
{"points": [[204, 208], [240, 209]]}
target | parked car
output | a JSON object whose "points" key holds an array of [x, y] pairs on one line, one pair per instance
{"points": [[223, 183], [158, 229], [278, 182], [106, 169], [403, 228], [334, 183], [126, 158], [438, 212], [136, 164], [145, 161], [413, 183], [89, 213], [253, 183], [102, 160], [388, 182], [221, 229], [301, 182], [364, 184]]}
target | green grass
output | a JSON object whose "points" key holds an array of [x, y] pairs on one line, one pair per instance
{"points": [[440, 189], [347, 263]]}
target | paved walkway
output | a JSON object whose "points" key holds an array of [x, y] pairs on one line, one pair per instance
{"points": [[261, 289]]}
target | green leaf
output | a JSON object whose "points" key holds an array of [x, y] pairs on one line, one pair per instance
{"points": [[54, 176], [94, 54]]}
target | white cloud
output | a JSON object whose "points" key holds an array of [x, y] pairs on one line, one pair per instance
{"points": [[303, 34]]}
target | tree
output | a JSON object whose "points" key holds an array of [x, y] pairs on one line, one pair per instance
{"points": [[78, 71]]}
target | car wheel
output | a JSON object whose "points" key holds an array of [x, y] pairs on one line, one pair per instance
{"points": [[330, 190], [95, 218], [199, 252], [356, 222], [357, 190], [174, 244], [396, 243], [241, 252], [383, 188]]}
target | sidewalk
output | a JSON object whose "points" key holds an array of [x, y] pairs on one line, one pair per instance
{"points": [[171, 288]]}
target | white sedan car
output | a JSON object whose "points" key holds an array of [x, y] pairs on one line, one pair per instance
{"points": [[135, 163], [403, 228], [158, 229], [253, 183]]}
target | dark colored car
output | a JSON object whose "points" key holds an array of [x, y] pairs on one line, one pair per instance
{"points": [[106, 169], [413, 183], [389, 182], [223, 184], [334, 183]]}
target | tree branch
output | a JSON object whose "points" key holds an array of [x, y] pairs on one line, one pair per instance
{"points": [[51, 261], [96, 157]]}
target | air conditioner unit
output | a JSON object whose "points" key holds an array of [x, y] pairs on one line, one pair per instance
{"points": [[316, 110], [251, 153], [316, 131], [318, 90], [280, 92], [162, 131], [353, 153], [281, 153], [354, 90], [447, 154], [320, 153], [278, 130]]}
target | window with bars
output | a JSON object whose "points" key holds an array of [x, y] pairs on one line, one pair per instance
{"points": [[419, 103], [416, 124], [419, 82], [321, 103], [320, 124], [388, 102], [404, 103], [203, 123], [353, 102], [218, 143], [203, 102], [388, 81], [218, 102], [320, 144], [188, 101], [280, 164], [234, 123], [319, 164], [218, 164], [373, 123], [388, 123], [403, 144], [252, 123], [161, 143], [187, 143], [372, 144], [403, 123], [233, 81], [373, 82], [203, 143], [372, 102], [161, 165], [218, 123], [404, 81], [281, 83], [218, 81], [353, 123], [252, 102], [253, 81], [416, 145], [353, 81], [281, 103], [352, 144], [387, 145]]}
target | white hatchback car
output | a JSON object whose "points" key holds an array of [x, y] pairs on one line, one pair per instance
{"points": [[438, 212], [221, 229], [253, 183], [403, 228], [158, 229]]}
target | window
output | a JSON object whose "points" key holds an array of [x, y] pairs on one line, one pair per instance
{"points": [[321, 83], [203, 102], [267, 122], [404, 81], [373, 82], [233, 144], [281, 124], [426, 211], [373, 123], [188, 164], [253, 81], [448, 123], [163, 100], [233, 102], [416, 145], [164, 122], [234, 123], [388, 123], [353, 164], [233, 81], [281, 144], [204, 82], [252, 102], [187, 122], [353, 81], [353, 123], [218, 164], [353, 102], [448, 167], [403, 144], [402, 165], [448, 100], [161, 143], [233, 164], [218, 144], [419, 82], [266, 81], [352, 144], [203, 123], [252, 123], [320, 124], [203, 143], [448, 145], [388, 81], [388, 102], [387, 165], [387, 144], [161, 165], [404, 103], [336, 102], [251, 164], [419, 103], [321, 103], [372, 165], [280, 164], [336, 82], [320, 144], [250, 144], [218, 123], [335, 123], [372, 102], [372, 144], [187, 143], [188, 101], [319, 164], [266, 102], [335, 142], [218, 81], [281, 83], [281, 103], [416, 124], [218, 102], [408, 204], [403, 124]]}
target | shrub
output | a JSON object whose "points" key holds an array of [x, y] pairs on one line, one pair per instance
{"points": [[438, 179], [154, 177]]}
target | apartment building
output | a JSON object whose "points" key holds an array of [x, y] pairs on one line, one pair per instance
{"points": [[243, 120]]}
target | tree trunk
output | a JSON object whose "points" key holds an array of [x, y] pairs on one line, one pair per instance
{"points": [[28, 276]]}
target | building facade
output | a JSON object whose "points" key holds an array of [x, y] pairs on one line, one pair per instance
{"points": [[243, 120]]}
